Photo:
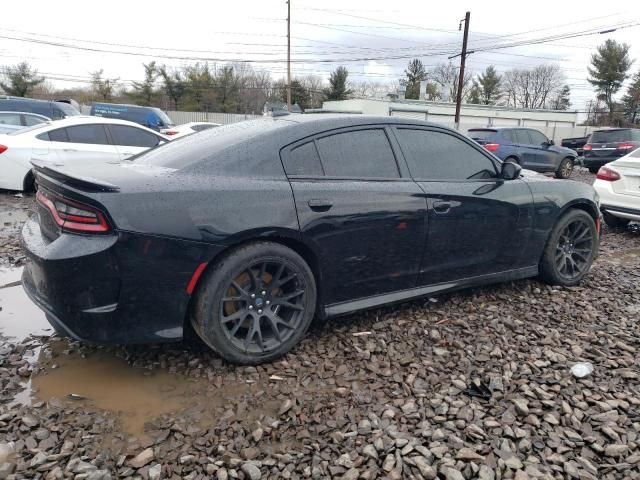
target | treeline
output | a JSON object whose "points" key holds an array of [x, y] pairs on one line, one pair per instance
{"points": [[232, 88]]}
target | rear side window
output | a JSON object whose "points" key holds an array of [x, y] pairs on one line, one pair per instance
{"points": [[10, 119], [611, 136], [30, 120], [522, 137], [89, 134], [435, 155], [510, 135], [303, 160], [59, 135], [358, 153], [132, 137]]}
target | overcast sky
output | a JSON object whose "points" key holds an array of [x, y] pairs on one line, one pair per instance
{"points": [[373, 39]]}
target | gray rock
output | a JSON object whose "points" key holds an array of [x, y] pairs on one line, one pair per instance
{"points": [[522, 406], [452, 474], [468, 455], [251, 471], [426, 470], [155, 472], [351, 474], [370, 451], [142, 458], [616, 450], [485, 473]]}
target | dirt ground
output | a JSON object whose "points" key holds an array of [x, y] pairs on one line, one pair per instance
{"points": [[474, 384]]}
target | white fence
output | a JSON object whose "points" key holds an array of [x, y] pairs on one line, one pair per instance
{"points": [[223, 118]]}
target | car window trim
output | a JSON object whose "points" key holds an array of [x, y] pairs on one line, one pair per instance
{"points": [[469, 142]]}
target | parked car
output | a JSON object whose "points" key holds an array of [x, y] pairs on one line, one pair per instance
{"points": [[527, 147], [576, 144], [250, 229], [22, 119], [608, 145], [188, 128], [78, 139], [150, 117], [6, 128], [47, 108], [618, 184]]}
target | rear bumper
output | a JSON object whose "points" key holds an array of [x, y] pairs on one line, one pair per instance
{"points": [[597, 161], [617, 204], [119, 288], [622, 212]]}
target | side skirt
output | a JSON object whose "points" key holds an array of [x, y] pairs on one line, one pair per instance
{"points": [[403, 295]]}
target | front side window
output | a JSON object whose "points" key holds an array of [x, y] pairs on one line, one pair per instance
{"points": [[89, 134], [59, 135], [303, 160], [537, 138], [358, 153], [433, 155], [132, 137]]}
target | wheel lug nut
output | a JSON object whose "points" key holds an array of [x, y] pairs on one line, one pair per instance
{"points": [[263, 292], [253, 295], [268, 302], [259, 311], [250, 307]]}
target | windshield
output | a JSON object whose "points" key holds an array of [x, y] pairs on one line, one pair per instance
{"points": [[68, 110], [481, 134], [164, 117], [604, 136]]}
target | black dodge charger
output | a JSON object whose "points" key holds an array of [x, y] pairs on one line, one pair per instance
{"points": [[250, 230]]}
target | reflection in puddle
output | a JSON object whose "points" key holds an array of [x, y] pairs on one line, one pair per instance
{"points": [[19, 316]]}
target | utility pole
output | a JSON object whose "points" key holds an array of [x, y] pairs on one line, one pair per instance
{"points": [[289, 55], [463, 58]]}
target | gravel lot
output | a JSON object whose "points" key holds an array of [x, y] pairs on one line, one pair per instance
{"points": [[475, 384]]}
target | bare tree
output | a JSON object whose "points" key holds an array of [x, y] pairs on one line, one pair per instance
{"points": [[534, 88], [446, 76], [369, 89]]}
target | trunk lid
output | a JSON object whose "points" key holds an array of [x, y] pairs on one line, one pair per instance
{"points": [[629, 169]]}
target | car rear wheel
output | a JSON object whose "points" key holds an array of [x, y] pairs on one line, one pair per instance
{"points": [[571, 249], [615, 222], [256, 303], [565, 168]]}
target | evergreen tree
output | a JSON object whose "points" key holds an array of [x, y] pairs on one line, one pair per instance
{"points": [[338, 85], [475, 94], [415, 73], [103, 88], [144, 92], [609, 69], [20, 80], [489, 84], [562, 101], [173, 84]]}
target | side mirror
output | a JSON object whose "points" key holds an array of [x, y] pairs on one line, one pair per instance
{"points": [[548, 143], [510, 171]]}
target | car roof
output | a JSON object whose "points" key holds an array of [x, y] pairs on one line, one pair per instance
{"points": [[31, 114], [85, 119]]}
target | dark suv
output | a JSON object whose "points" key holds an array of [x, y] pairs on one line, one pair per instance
{"points": [[48, 108], [605, 146], [527, 147]]}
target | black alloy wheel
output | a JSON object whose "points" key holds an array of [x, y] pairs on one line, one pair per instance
{"points": [[565, 169], [570, 250], [256, 303], [263, 306]]}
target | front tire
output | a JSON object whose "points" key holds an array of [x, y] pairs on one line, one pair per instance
{"points": [[615, 222], [256, 303], [570, 250], [565, 169]]}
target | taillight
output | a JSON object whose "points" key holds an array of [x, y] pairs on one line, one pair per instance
{"points": [[587, 148], [3, 148], [607, 174], [492, 147], [170, 132], [71, 215], [626, 146]]}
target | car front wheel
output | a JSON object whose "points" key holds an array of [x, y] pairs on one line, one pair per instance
{"points": [[565, 168], [256, 303], [570, 250]]}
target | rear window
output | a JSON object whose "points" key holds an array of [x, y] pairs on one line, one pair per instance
{"points": [[612, 136], [481, 134]]}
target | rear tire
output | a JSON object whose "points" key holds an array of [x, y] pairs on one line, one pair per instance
{"points": [[570, 250], [594, 169], [29, 183], [615, 222], [565, 169], [256, 303]]}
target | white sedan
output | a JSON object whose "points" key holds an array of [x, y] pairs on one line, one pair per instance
{"points": [[78, 139], [618, 185], [188, 128]]}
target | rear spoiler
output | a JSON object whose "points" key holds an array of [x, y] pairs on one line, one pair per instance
{"points": [[89, 184]]}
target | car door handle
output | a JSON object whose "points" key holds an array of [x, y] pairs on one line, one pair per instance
{"points": [[441, 207], [128, 153], [69, 150], [319, 204]]}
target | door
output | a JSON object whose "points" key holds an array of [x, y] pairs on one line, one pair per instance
{"points": [[130, 141], [477, 223], [525, 147], [84, 143], [544, 158], [365, 221]]}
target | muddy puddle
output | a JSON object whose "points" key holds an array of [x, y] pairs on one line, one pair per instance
{"points": [[19, 316], [631, 255]]}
